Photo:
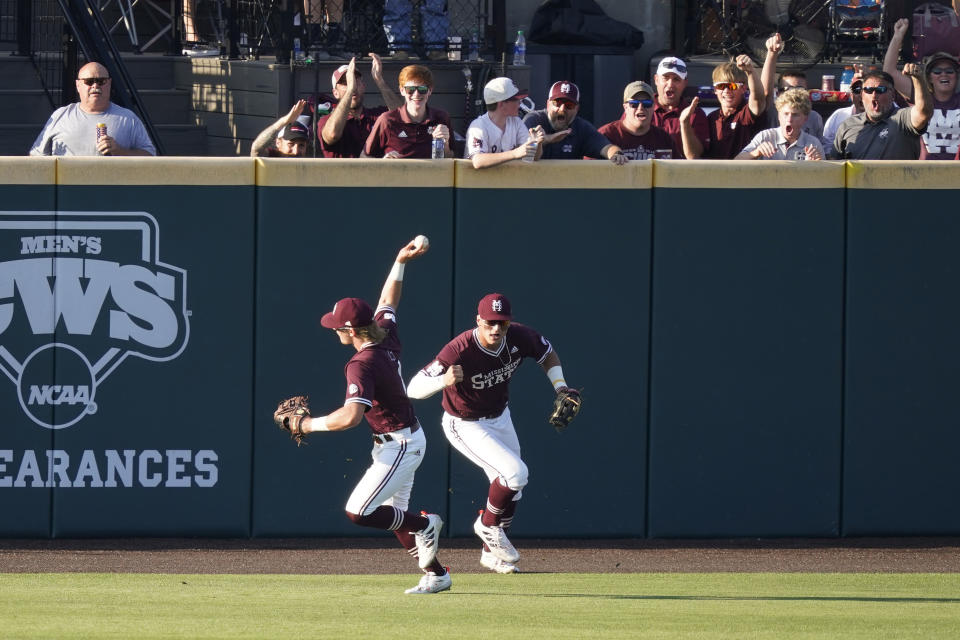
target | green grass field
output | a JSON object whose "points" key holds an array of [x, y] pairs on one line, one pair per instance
{"points": [[526, 606]]}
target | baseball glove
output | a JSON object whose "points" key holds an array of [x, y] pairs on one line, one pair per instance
{"points": [[566, 406], [290, 415]]}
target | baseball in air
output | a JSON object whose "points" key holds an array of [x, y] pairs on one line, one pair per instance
{"points": [[421, 242]]}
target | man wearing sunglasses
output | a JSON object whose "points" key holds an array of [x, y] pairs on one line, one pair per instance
{"points": [[409, 130], [345, 130], [737, 120], [882, 131], [671, 82], [73, 130], [499, 136], [940, 142], [567, 137], [635, 133]]}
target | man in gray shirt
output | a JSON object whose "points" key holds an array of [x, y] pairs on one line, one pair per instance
{"points": [[882, 131], [72, 130]]}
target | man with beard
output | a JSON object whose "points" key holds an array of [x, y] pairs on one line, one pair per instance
{"points": [[285, 138], [671, 82], [882, 131], [567, 137], [940, 142], [344, 130], [635, 134], [73, 130], [737, 120], [789, 141], [409, 130]]}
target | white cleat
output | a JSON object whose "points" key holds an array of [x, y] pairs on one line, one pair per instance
{"points": [[496, 540], [427, 539], [494, 563], [432, 583]]}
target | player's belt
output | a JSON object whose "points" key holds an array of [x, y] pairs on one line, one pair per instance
{"points": [[399, 434], [492, 416]]}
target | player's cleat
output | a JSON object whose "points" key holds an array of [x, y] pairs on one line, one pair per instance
{"points": [[494, 563], [427, 539], [432, 583], [496, 540]]}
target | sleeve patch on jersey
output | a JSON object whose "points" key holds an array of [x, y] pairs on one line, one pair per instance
{"points": [[389, 316], [353, 389], [434, 369]]}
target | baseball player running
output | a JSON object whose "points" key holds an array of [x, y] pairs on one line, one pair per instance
{"points": [[375, 388], [474, 371]]}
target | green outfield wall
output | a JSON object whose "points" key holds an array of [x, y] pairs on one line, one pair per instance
{"points": [[766, 348]]}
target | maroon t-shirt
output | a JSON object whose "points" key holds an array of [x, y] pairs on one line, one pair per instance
{"points": [[641, 147], [669, 121], [728, 136], [393, 131], [355, 133], [484, 390], [374, 379]]}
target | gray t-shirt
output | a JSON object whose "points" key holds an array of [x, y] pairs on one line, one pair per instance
{"points": [[893, 138], [71, 131]]}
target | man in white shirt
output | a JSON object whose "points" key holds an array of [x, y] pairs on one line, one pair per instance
{"points": [[499, 135], [73, 130]]}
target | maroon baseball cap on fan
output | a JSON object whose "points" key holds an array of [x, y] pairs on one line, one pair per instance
{"points": [[342, 69], [349, 312], [494, 307], [565, 90]]}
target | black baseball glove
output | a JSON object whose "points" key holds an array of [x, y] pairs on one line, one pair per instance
{"points": [[290, 415], [566, 406]]}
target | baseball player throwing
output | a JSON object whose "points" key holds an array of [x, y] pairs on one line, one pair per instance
{"points": [[375, 388], [474, 371]]}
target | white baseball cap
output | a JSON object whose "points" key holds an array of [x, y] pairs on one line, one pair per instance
{"points": [[500, 89], [672, 65]]}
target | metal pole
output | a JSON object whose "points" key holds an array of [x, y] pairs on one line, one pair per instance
{"points": [[24, 27]]}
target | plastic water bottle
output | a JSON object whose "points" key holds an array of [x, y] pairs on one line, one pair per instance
{"points": [[474, 46], [297, 50], [846, 78], [520, 49]]}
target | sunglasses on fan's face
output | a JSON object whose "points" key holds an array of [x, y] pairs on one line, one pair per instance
{"points": [[947, 70], [723, 86], [646, 104], [412, 89], [94, 81], [856, 88], [881, 89]]}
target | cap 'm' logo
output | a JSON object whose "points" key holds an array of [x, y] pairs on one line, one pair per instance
{"points": [[565, 88], [79, 292], [497, 305]]}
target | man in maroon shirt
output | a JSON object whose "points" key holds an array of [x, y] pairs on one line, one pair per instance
{"points": [[344, 131], [409, 131], [375, 388], [734, 124], [635, 133], [671, 81], [474, 372]]}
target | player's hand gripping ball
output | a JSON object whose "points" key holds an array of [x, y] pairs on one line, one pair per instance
{"points": [[566, 406], [290, 415]]}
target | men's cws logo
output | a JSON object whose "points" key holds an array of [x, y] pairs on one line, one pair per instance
{"points": [[79, 292]]}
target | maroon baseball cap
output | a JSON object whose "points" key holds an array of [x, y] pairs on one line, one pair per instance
{"points": [[342, 69], [565, 90], [349, 312], [494, 307]]}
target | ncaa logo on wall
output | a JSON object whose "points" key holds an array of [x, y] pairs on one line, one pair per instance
{"points": [[79, 292]]}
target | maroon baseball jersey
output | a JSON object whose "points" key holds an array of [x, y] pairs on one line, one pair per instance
{"points": [[728, 136], [669, 121], [374, 379], [355, 133], [393, 131], [640, 147], [484, 390]]}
